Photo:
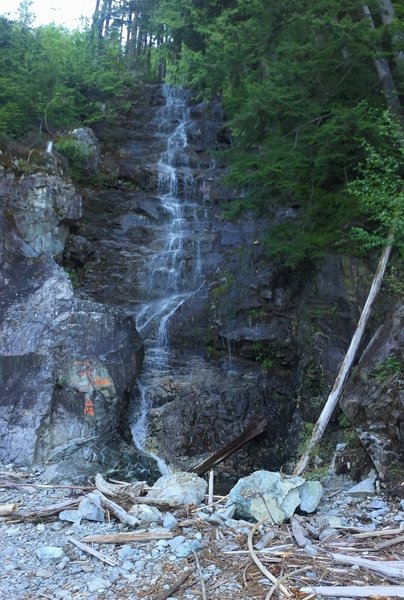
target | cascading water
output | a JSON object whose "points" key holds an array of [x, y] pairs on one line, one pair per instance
{"points": [[172, 269]]}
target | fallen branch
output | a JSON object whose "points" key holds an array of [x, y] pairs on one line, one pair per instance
{"points": [[380, 533], [298, 533], [12, 484], [7, 509], [283, 578], [157, 502], [259, 564], [117, 510], [201, 579], [86, 548], [356, 591], [123, 538], [176, 586], [128, 490], [45, 513], [393, 542], [255, 427], [343, 373], [389, 568]]}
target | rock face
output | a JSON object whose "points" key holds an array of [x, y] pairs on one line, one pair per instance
{"points": [[256, 338], [42, 207], [66, 364], [374, 399]]}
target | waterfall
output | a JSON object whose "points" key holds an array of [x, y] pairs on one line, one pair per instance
{"points": [[172, 269]]}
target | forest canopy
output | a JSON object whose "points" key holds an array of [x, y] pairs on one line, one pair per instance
{"points": [[305, 87]]}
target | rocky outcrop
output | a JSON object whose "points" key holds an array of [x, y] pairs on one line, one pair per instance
{"points": [[67, 365], [90, 148], [374, 398], [42, 208]]}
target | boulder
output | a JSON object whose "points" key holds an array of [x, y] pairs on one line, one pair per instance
{"points": [[186, 488], [273, 496], [67, 365]]}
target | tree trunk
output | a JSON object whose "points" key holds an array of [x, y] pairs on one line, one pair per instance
{"points": [[385, 76], [388, 15], [346, 366]]}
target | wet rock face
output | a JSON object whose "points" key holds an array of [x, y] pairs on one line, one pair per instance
{"points": [[374, 398], [256, 338], [202, 405], [66, 364]]}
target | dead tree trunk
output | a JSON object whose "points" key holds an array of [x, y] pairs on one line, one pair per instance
{"points": [[385, 75], [346, 366]]}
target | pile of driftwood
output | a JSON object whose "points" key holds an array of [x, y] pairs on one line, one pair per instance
{"points": [[284, 555]]}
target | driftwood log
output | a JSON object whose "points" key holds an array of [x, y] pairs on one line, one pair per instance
{"points": [[255, 427], [124, 538]]}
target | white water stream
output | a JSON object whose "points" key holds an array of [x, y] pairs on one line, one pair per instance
{"points": [[172, 271]]}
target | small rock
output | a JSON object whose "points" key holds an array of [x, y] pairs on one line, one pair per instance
{"points": [[402, 504], [146, 514], [365, 487], [98, 584], [181, 547], [72, 516], [43, 574], [169, 521], [376, 504], [329, 532], [311, 493], [375, 514], [90, 508], [49, 553], [126, 551]]}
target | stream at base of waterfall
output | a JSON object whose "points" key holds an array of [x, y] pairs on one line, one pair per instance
{"points": [[172, 266]]}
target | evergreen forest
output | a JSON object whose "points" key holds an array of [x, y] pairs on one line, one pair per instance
{"points": [[312, 92]]}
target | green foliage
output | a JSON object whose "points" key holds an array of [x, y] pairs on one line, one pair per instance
{"points": [[379, 190], [52, 79], [225, 286], [305, 436], [388, 368], [73, 150], [301, 95], [261, 355]]}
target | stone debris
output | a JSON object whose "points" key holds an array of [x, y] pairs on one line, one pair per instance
{"points": [[342, 542]]}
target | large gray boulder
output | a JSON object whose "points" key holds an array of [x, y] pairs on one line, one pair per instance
{"points": [[67, 365], [273, 496]]}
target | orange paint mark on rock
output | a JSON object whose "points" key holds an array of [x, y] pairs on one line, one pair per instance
{"points": [[88, 407], [102, 381]]}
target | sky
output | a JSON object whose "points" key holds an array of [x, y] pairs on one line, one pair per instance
{"points": [[62, 12]]}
